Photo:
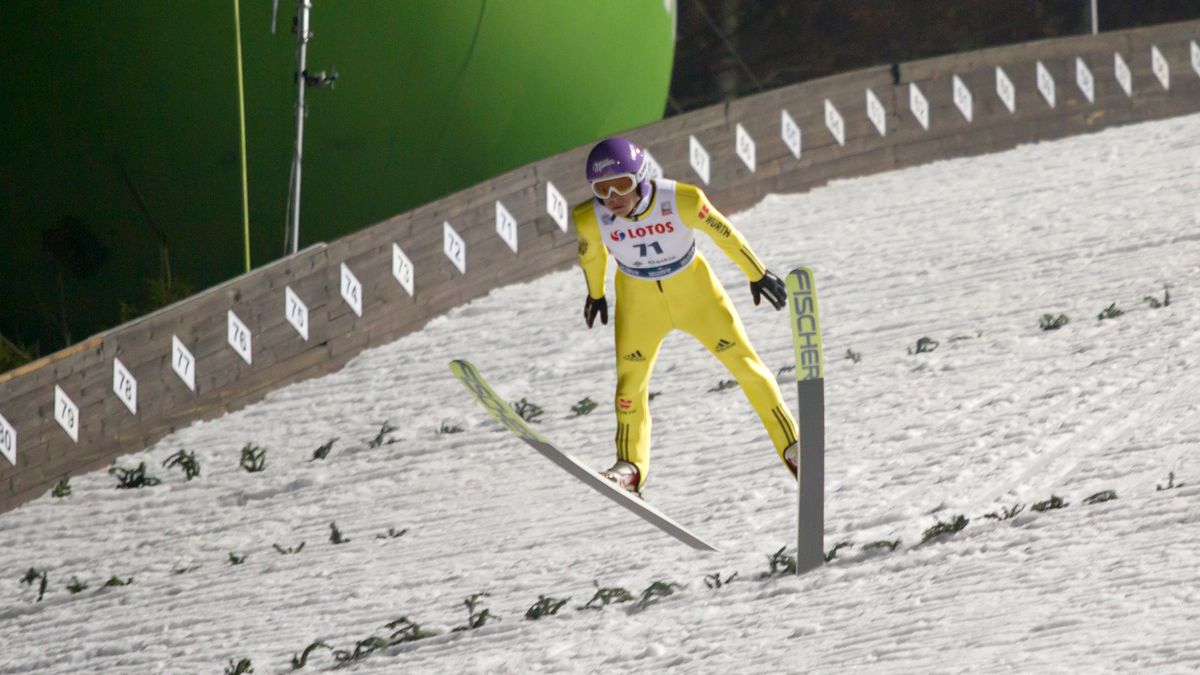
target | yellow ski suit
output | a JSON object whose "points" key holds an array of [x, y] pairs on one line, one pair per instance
{"points": [[662, 284]]}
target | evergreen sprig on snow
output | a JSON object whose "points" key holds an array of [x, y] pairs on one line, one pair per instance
{"points": [[381, 437], [831, 554], [530, 412], [1155, 303], [545, 606], [1110, 312], [39, 576], [723, 385], [291, 550], [448, 428], [323, 451], [335, 535], [605, 596], [254, 458], [186, 461], [240, 668], [656, 592], [1171, 485], [1101, 497], [131, 479], [924, 345], [584, 407], [1055, 502], [1006, 513], [781, 563], [62, 489], [714, 580], [945, 529], [476, 619], [1051, 322]]}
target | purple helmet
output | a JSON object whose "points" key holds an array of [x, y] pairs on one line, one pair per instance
{"points": [[618, 156]]}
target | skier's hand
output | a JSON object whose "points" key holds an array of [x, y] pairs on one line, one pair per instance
{"points": [[593, 307], [770, 287]]}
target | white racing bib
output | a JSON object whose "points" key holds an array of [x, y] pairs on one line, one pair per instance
{"points": [[656, 245]]}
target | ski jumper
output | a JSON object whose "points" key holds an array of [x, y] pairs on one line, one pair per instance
{"points": [[663, 283]]}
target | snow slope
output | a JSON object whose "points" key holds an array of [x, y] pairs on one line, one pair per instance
{"points": [[968, 252]]}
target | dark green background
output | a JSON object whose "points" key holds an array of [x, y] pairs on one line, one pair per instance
{"points": [[121, 146]]}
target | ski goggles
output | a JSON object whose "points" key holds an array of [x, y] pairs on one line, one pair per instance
{"points": [[621, 185]]}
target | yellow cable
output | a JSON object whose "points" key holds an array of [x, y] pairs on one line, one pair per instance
{"points": [[242, 111]]}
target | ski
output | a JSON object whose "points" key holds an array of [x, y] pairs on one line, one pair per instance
{"points": [[810, 382], [469, 375]]}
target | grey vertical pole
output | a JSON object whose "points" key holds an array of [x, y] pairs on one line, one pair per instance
{"points": [[1095, 18], [302, 37], [810, 383]]}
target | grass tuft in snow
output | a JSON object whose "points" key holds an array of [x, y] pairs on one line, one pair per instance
{"points": [[781, 563], [301, 661], [924, 346], [724, 385], [117, 582], [36, 575], [335, 535], [132, 479], [1006, 513], [882, 544], [853, 356], [656, 592], [240, 668], [62, 489], [406, 630], [476, 619], [76, 586], [1055, 502], [945, 529], [530, 412], [545, 606], [605, 596], [448, 428], [1110, 312], [392, 533], [1155, 303], [1101, 497], [831, 554], [254, 458], [1171, 484], [323, 451], [235, 559], [1051, 322], [381, 437], [714, 581], [584, 407], [186, 461], [291, 550]]}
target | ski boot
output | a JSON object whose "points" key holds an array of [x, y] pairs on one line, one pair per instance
{"points": [[791, 457], [625, 475]]}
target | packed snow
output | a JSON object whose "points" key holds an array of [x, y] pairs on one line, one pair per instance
{"points": [[1000, 417]]}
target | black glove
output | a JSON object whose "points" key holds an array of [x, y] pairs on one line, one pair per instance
{"points": [[593, 307], [770, 287]]}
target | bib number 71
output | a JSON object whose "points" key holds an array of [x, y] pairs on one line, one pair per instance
{"points": [[644, 249]]}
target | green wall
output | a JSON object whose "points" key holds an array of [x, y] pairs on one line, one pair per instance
{"points": [[120, 126]]}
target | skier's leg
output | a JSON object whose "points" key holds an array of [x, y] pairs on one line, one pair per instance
{"points": [[713, 321], [641, 323]]}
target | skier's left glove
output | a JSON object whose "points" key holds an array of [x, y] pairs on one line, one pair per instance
{"points": [[770, 287]]}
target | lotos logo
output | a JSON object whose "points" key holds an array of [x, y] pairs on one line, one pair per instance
{"points": [[602, 164], [638, 232]]}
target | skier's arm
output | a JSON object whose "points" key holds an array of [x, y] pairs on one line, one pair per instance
{"points": [[593, 257], [699, 214]]}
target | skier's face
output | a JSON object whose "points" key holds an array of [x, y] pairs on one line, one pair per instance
{"points": [[621, 205]]}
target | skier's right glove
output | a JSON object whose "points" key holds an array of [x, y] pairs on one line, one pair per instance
{"points": [[770, 287], [593, 307]]}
